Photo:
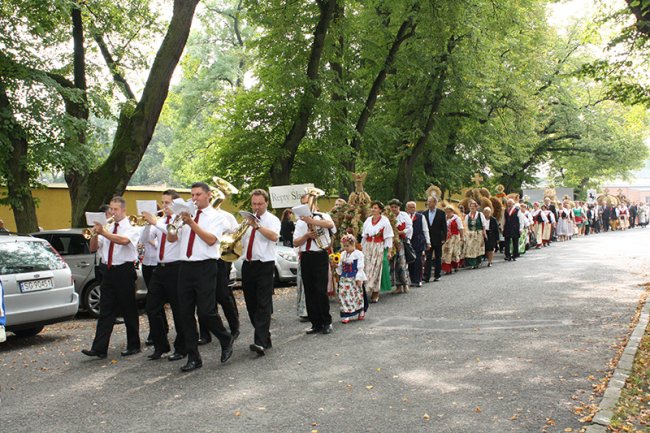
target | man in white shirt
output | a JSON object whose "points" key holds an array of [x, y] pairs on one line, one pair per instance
{"points": [[197, 277], [163, 287], [314, 268], [117, 247], [258, 268]]}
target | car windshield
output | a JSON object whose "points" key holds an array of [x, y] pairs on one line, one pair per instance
{"points": [[27, 256]]}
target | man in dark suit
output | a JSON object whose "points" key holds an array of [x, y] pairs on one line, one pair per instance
{"points": [[437, 224], [420, 241], [607, 211], [633, 214], [511, 230]]}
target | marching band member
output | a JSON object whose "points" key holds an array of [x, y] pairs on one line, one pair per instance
{"points": [[197, 275], [117, 246], [148, 246], [164, 284], [258, 268], [314, 267]]}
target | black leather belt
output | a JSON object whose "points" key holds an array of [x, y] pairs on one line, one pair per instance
{"points": [[168, 264]]}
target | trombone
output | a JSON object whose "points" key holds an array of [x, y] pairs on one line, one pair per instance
{"points": [[89, 233]]}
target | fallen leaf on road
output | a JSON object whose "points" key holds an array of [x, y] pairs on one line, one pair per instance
{"points": [[550, 421], [369, 387], [378, 369], [514, 417], [477, 409], [568, 429], [426, 417], [113, 361], [237, 413]]}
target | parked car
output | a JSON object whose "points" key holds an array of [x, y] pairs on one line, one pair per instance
{"points": [[75, 250], [37, 283], [286, 266]]}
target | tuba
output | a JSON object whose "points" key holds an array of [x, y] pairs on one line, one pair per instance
{"points": [[323, 238]]}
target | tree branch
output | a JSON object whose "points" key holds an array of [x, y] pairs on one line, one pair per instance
{"points": [[112, 66]]}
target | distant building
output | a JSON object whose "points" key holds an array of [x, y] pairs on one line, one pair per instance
{"points": [[636, 190]]}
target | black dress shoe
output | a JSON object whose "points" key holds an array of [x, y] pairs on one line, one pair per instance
{"points": [[235, 335], [176, 356], [314, 330], [257, 349], [226, 352], [304, 319], [327, 329], [91, 352], [192, 365], [129, 352], [202, 341], [157, 354]]}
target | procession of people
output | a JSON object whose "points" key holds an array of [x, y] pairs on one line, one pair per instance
{"points": [[393, 248]]}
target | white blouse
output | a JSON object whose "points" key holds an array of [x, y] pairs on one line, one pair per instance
{"points": [[405, 218], [349, 258], [370, 229]]}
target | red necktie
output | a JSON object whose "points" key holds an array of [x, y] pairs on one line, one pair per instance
{"points": [[249, 250], [110, 248], [190, 244], [161, 254]]}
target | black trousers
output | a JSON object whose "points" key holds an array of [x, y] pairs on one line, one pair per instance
{"points": [[314, 266], [434, 254], [225, 298], [515, 247], [257, 283], [117, 297], [196, 294], [415, 268], [147, 274], [163, 289], [606, 224]]}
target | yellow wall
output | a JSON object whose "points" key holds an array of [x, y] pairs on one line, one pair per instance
{"points": [[53, 208]]}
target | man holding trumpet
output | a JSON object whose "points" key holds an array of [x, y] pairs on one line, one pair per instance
{"points": [[198, 239], [117, 245]]}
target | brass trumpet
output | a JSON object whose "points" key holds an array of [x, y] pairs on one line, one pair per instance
{"points": [[140, 221], [89, 233], [174, 226]]}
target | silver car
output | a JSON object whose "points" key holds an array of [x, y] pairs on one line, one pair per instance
{"points": [[38, 286], [286, 266], [75, 250]]}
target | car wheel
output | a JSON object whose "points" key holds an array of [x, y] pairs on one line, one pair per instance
{"points": [[90, 299], [29, 332]]}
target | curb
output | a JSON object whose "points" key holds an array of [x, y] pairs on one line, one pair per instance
{"points": [[623, 370]]}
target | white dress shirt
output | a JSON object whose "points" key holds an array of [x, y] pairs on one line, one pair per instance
{"points": [[210, 222], [121, 253], [263, 248], [228, 221], [302, 229], [147, 240], [172, 249]]}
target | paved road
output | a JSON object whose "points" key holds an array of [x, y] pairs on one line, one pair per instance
{"points": [[504, 349]]}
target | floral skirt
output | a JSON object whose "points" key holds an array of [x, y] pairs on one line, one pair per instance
{"points": [[452, 253], [399, 270], [475, 247], [353, 298], [373, 258]]}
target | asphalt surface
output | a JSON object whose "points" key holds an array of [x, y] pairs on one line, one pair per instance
{"points": [[504, 349]]}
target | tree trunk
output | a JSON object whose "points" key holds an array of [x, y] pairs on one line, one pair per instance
{"points": [[16, 167], [405, 31], [136, 124], [283, 164], [404, 181]]}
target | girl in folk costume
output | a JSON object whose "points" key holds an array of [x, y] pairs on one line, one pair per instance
{"points": [[564, 227], [377, 241], [451, 249], [352, 296], [399, 270], [475, 234], [492, 235], [548, 222], [538, 224]]}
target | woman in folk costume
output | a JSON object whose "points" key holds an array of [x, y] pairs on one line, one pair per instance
{"points": [[525, 222], [377, 242], [564, 228], [492, 232], [399, 270], [579, 218], [623, 216], [538, 224], [352, 296], [475, 233], [452, 248], [548, 222]]}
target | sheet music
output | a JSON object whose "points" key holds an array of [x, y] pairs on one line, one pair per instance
{"points": [[93, 217], [146, 206], [181, 206], [301, 211], [246, 214]]}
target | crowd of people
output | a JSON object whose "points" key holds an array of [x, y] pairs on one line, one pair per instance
{"points": [[186, 260]]}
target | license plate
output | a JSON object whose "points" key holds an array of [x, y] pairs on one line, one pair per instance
{"points": [[36, 285]]}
